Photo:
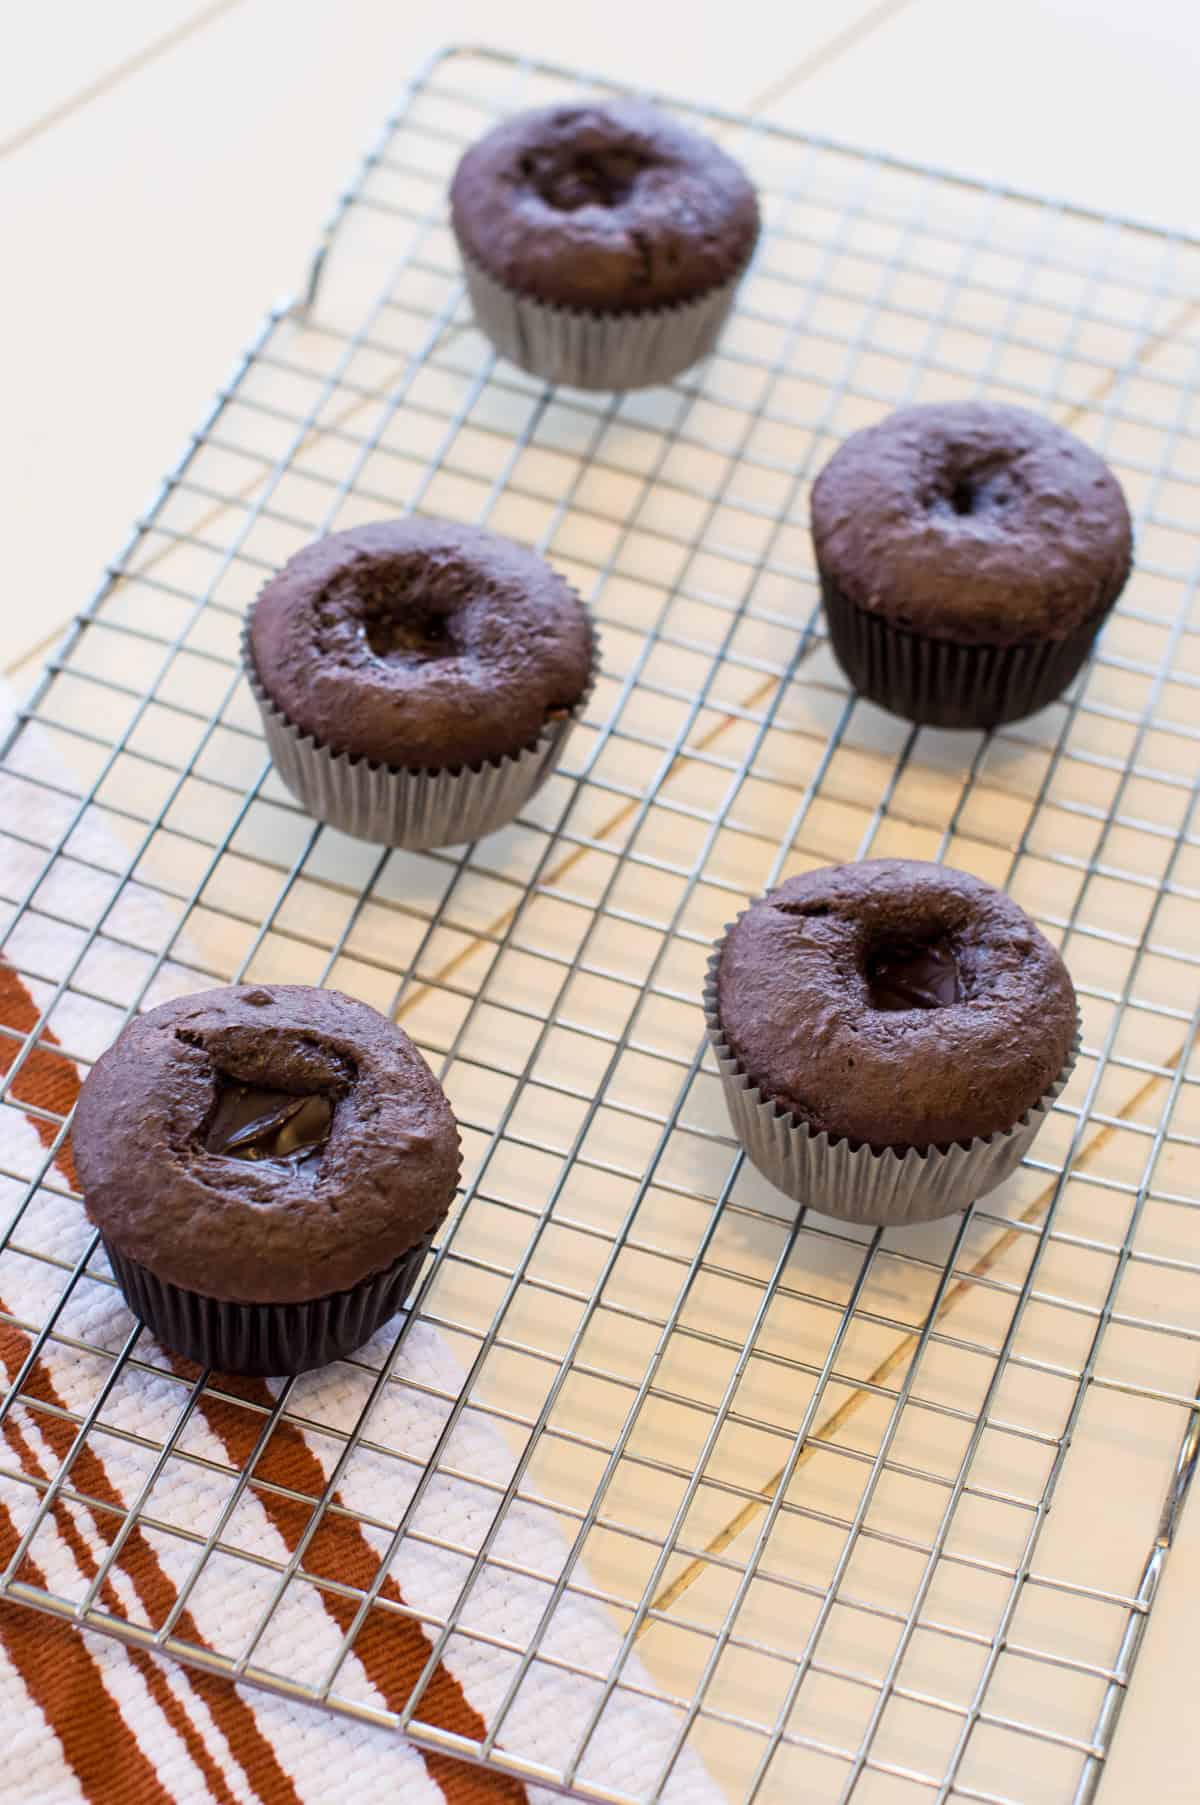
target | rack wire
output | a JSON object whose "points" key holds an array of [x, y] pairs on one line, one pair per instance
{"points": [[805, 1471]]}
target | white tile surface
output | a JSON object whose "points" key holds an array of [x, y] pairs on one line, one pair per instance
{"points": [[1092, 101], [1157, 1746], [65, 47], [156, 224]]}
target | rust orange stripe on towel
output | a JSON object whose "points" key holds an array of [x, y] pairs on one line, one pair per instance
{"points": [[230, 1712], [392, 1648], [50, 1081], [152, 1675], [62, 1677], [47, 1080]]}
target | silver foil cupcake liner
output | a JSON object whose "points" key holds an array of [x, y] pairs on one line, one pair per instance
{"points": [[939, 683], [410, 809], [265, 1340], [597, 350], [855, 1183]]}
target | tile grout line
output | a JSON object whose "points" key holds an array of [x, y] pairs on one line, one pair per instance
{"points": [[104, 84], [862, 1394], [714, 733], [1152, 345], [112, 78], [824, 54], [686, 755], [819, 58], [43, 645]]}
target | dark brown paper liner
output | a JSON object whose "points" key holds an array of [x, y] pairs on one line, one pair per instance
{"points": [[265, 1340], [939, 683], [854, 1182], [597, 350], [411, 809]]}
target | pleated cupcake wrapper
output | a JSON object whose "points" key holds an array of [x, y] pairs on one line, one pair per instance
{"points": [[410, 809], [597, 350], [266, 1340], [941, 684], [857, 1184]]}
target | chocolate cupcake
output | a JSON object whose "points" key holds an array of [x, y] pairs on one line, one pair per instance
{"points": [[266, 1166], [968, 555], [890, 1037], [418, 680], [602, 243]]}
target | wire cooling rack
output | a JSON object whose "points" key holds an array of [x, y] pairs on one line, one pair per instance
{"points": [[806, 1472]]}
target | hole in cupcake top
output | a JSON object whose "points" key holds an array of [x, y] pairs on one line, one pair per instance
{"points": [[568, 179], [408, 632], [404, 610], [251, 1122], [904, 975], [977, 488], [975, 495]]}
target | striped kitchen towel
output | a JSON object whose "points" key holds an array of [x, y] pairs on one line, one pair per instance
{"points": [[88, 1718]]}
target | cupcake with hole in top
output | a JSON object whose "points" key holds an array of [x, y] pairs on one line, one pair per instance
{"points": [[266, 1165], [969, 554], [890, 1036], [418, 680], [602, 242]]}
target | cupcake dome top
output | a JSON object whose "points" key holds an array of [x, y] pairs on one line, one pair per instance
{"points": [[194, 1163], [973, 522], [420, 644], [609, 207], [895, 1003]]}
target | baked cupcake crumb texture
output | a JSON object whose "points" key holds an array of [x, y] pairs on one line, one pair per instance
{"points": [[974, 522], [420, 644], [264, 1152], [895, 1004], [610, 207]]}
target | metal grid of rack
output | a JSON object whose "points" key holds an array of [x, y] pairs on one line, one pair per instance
{"points": [[804, 1471]]}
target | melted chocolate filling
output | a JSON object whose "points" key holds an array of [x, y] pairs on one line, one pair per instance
{"points": [[252, 1123], [913, 977], [409, 633]]}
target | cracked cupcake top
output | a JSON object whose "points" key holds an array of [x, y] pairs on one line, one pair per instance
{"points": [[895, 1003], [609, 207], [421, 644], [973, 522], [264, 1143]]}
